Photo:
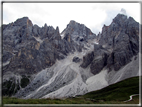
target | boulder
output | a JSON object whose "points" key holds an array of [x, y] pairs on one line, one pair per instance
{"points": [[76, 59], [87, 59]]}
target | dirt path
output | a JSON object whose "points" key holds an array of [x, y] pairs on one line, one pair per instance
{"points": [[131, 97]]}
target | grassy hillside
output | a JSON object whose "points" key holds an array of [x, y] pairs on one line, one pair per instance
{"points": [[119, 91], [113, 94]]}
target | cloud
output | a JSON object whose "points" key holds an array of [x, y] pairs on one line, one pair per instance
{"points": [[93, 15], [112, 9]]}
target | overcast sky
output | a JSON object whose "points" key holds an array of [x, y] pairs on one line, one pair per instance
{"points": [[93, 15]]}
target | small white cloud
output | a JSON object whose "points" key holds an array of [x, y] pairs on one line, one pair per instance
{"points": [[123, 11]]}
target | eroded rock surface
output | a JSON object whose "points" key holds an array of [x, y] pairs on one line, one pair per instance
{"points": [[121, 37], [38, 62], [117, 45]]}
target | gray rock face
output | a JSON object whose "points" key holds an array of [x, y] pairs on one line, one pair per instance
{"points": [[118, 43], [32, 48], [40, 59], [79, 30], [6, 56], [29, 49], [87, 60], [97, 59], [78, 34], [121, 37]]}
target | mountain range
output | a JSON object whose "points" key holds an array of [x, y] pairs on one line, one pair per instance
{"points": [[39, 62]]}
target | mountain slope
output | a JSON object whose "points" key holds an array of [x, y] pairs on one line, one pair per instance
{"points": [[38, 49], [119, 91], [118, 44], [113, 94], [40, 63]]}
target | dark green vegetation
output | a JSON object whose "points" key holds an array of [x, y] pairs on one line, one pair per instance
{"points": [[24, 81], [10, 87], [117, 92], [113, 94], [8, 100]]}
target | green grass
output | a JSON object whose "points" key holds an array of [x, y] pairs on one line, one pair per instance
{"points": [[66, 101], [116, 92], [8, 100], [113, 94]]}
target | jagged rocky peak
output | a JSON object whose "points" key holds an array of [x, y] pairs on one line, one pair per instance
{"points": [[76, 28], [121, 38], [57, 31], [118, 44], [55, 66], [119, 24], [72, 22], [56, 34], [105, 28], [32, 43], [45, 25], [121, 18], [28, 50], [23, 21], [16, 35], [78, 32], [45, 32]]}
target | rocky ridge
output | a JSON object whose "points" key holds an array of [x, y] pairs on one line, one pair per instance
{"points": [[118, 43], [40, 63], [27, 48]]}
